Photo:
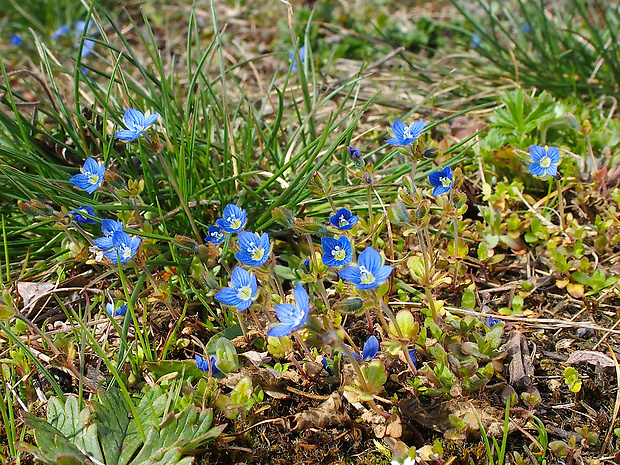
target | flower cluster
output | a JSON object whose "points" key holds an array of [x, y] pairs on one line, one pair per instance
{"points": [[116, 244]]}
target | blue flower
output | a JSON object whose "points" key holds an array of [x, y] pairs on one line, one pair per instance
{"points": [[441, 181], [343, 219], [137, 122], [492, 321], [242, 290], [336, 252], [81, 28], [255, 249], [16, 40], [371, 347], [215, 235], [544, 161], [302, 56], [369, 273], [78, 218], [233, 219], [125, 247], [207, 365], [91, 176], [405, 135], [108, 228], [414, 359], [292, 317], [306, 263], [356, 156], [61, 31], [120, 311], [475, 41]]}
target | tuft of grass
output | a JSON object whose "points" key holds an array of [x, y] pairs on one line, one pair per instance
{"points": [[566, 48]]}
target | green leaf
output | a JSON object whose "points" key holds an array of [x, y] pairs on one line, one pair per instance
{"points": [[52, 444], [75, 425]]}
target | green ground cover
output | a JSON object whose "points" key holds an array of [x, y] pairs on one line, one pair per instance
{"points": [[352, 232]]}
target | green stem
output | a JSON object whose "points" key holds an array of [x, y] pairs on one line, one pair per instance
{"points": [[370, 215], [561, 205]]}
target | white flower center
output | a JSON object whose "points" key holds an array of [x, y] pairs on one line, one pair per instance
{"points": [[545, 162], [339, 253], [445, 181], [366, 276], [257, 252], [217, 235], [245, 293], [342, 221], [93, 179], [125, 251], [235, 223]]}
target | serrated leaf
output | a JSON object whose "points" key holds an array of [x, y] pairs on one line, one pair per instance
{"points": [[75, 425], [53, 445]]}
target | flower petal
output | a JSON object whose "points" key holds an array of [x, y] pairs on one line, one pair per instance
{"points": [[351, 273], [239, 278], [370, 259], [301, 297], [416, 129], [537, 152], [554, 154], [228, 296], [127, 134], [279, 330], [134, 119]]}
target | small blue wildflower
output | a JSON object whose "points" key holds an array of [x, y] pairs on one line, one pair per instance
{"points": [[255, 249], [405, 135], [369, 272], [302, 56], [215, 235], [370, 349], [125, 247], [61, 31], [207, 365], [16, 40], [242, 290], [492, 321], [292, 317], [343, 219], [525, 29], [306, 263], [78, 212], [80, 28], [233, 219], [475, 41], [136, 122], [91, 176], [113, 312], [544, 161], [92, 30], [108, 228], [414, 359], [355, 155], [336, 252], [441, 181], [326, 367]]}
